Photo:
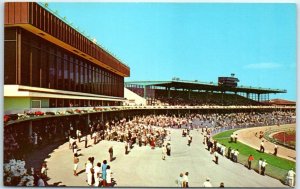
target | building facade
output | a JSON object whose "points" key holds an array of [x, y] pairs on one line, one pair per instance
{"points": [[49, 64]]}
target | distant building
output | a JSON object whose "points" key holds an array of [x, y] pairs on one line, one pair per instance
{"points": [[49, 64]]}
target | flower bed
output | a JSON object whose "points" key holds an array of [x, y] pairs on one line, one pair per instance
{"points": [[287, 138], [15, 174]]}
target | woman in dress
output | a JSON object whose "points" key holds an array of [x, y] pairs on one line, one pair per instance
{"points": [[108, 176]]}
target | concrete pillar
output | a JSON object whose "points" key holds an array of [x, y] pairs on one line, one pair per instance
{"points": [[169, 92], [189, 93], [101, 116], [30, 128], [247, 95], [88, 119], [258, 97]]}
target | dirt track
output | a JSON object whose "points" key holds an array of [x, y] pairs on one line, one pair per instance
{"points": [[247, 136]]}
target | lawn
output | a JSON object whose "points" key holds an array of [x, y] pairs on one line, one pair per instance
{"points": [[275, 164]]}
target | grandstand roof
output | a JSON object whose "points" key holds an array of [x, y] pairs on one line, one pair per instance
{"points": [[209, 86]]}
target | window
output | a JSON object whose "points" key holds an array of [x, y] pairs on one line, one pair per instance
{"points": [[36, 104]]}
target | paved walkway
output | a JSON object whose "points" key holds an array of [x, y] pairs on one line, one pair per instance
{"points": [[144, 166], [247, 136]]}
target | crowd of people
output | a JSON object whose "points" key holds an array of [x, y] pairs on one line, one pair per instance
{"points": [[142, 130]]}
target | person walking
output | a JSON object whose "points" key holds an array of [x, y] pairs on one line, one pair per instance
{"points": [[228, 152], [75, 161], [86, 141], [235, 138], [88, 171], [189, 140], [207, 183], [164, 151], [180, 181], [111, 153], [168, 149], [259, 165], [104, 167], [250, 159], [186, 180], [262, 148], [44, 170], [263, 167], [236, 154], [291, 177], [216, 157], [97, 174], [108, 176], [126, 147], [275, 150]]}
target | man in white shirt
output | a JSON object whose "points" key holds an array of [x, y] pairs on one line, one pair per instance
{"points": [[290, 177], [186, 180], [259, 165], [275, 149], [180, 181], [236, 153], [207, 184], [88, 171], [263, 167], [262, 148], [231, 137], [97, 174]]}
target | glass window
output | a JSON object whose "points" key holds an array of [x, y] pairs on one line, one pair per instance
{"points": [[36, 62], [10, 60], [60, 83], [52, 69], [25, 64], [72, 80], [44, 67], [66, 72]]}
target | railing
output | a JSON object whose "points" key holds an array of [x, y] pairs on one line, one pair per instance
{"points": [[146, 107], [273, 171], [28, 114]]}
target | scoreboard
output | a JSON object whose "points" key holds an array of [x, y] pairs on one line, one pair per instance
{"points": [[228, 81]]}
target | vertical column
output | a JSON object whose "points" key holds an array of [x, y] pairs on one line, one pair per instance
{"points": [[258, 97], [88, 119], [169, 92], [189, 94], [18, 58], [145, 91]]}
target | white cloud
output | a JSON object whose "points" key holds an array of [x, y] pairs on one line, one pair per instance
{"points": [[264, 65]]}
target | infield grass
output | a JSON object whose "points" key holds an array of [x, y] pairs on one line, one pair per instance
{"points": [[281, 163]]}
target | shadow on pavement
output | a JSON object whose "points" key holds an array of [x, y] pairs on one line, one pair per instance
{"points": [[82, 171], [37, 157]]}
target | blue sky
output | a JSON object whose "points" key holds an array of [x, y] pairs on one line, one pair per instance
{"points": [[196, 41]]}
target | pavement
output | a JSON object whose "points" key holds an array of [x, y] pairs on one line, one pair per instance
{"points": [[247, 136], [144, 167]]}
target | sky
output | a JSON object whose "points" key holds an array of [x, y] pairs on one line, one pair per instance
{"points": [[195, 41]]}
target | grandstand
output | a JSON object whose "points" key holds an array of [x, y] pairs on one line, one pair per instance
{"points": [[191, 93]]}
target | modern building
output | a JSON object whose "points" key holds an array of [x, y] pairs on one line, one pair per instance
{"points": [[201, 92], [50, 64]]}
